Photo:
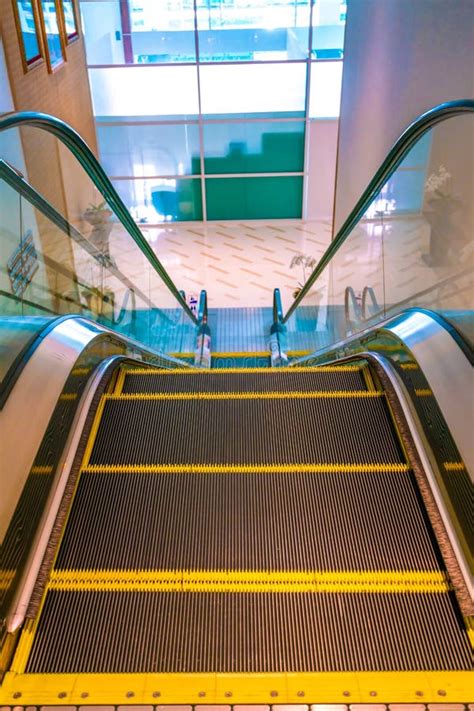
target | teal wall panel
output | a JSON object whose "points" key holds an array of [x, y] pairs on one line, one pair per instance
{"points": [[254, 198]]}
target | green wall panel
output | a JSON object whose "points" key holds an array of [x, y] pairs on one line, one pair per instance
{"points": [[258, 147], [254, 198]]}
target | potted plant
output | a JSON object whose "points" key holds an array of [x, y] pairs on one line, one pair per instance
{"points": [[98, 215], [306, 262]]}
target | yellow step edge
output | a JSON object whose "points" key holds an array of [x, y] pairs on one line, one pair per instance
{"points": [[409, 366], [40, 469], [248, 581], [237, 688], [219, 371], [66, 397], [454, 466], [6, 577], [228, 395], [379, 468], [423, 392]]}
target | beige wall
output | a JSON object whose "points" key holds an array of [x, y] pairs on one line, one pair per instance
{"points": [[401, 58], [321, 169]]}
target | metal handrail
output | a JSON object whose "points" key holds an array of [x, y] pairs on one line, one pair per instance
{"points": [[394, 157], [81, 151]]}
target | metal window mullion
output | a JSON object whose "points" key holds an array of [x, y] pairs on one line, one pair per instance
{"points": [[200, 123]]}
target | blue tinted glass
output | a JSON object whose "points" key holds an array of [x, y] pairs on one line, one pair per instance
{"points": [[69, 18], [28, 30], [259, 147], [260, 30], [52, 32], [142, 150], [161, 200], [329, 18]]}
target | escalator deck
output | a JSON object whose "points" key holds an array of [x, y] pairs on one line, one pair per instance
{"points": [[249, 535]]}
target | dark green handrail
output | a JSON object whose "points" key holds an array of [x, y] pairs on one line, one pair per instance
{"points": [[395, 156], [81, 151]]}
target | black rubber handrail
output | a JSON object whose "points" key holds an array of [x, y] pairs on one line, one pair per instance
{"points": [[81, 151], [395, 156]]}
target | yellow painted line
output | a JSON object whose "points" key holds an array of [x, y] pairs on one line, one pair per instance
{"points": [[237, 688], [41, 469], [68, 396], [223, 371], [120, 381], [241, 354], [93, 432], [6, 577], [247, 581], [423, 392], [243, 468], [409, 366], [454, 466], [470, 629], [24, 647], [80, 371], [292, 395]]}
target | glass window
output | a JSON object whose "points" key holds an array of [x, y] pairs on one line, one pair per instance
{"points": [[27, 27], [70, 24], [254, 198], [236, 30], [142, 149], [325, 89], [257, 147], [53, 39], [145, 91], [253, 89], [329, 19], [162, 31], [161, 199]]}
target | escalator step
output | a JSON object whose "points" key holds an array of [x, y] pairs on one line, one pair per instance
{"points": [[248, 521], [276, 431], [246, 632], [272, 380]]}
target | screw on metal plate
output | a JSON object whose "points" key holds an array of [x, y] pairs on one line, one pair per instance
{"points": [[62, 695], [273, 693], [441, 692], [228, 694], [201, 694], [130, 694], [156, 694], [300, 693], [346, 693], [17, 695], [372, 693], [84, 695], [419, 693]]}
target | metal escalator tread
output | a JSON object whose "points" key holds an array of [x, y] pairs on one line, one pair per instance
{"points": [[276, 521], [273, 380], [105, 632], [247, 432]]}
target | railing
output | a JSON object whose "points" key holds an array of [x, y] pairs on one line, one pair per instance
{"points": [[412, 227]]}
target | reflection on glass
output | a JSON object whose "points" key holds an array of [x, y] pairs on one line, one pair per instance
{"points": [[146, 150], [253, 198], [161, 199], [329, 18], [257, 147], [261, 30], [414, 247], [53, 39], [253, 89], [28, 31], [69, 19]]}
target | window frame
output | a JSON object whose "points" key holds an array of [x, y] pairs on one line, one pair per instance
{"points": [[29, 64], [74, 36], [60, 62]]}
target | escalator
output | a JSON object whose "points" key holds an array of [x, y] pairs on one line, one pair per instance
{"points": [[244, 535]]}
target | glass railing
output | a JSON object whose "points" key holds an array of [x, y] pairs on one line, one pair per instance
{"points": [[69, 246], [408, 243]]}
